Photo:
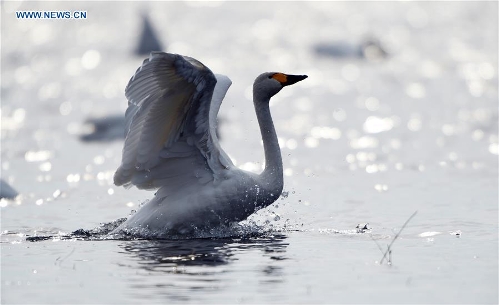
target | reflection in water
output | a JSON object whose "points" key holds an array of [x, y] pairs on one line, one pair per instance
{"points": [[160, 255], [179, 268]]}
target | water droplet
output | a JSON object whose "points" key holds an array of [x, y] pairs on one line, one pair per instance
{"points": [[477, 135], [311, 142], [36, 156], [381, 187], [364, 142], [372, 168], [415, 90], [73, 178], [45, 167], [291, 144], [448, 129], [65, 108], [99, 160], [374, 124], [90, 60], [494, 148]]}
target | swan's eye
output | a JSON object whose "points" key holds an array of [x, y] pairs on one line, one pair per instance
{"points": [[270, 76]]}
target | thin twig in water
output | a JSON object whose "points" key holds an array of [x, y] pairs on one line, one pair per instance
{"points": [[377, 244], [389, 250], [59, 260]]}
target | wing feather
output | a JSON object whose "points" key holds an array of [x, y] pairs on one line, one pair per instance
{"points": [[170, 123]]}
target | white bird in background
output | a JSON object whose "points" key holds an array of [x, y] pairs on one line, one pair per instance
{"points": [[171, 145]]}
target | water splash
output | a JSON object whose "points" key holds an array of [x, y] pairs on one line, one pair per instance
{"points": [[105, 232]]}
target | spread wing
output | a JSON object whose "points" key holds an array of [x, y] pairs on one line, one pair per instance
{"points": [[173, 102]]}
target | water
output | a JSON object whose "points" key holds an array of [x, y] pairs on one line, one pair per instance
{"points": [[378, 131]]}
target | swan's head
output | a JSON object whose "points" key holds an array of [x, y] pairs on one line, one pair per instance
{"points": [[268, 84]]}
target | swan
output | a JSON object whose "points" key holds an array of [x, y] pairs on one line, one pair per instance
{"points": [[171, 145]]}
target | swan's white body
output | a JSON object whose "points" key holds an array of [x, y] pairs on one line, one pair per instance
{"points": [[171, 145]]}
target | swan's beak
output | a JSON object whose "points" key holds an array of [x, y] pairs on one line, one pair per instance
{"points": [[292, 79]]}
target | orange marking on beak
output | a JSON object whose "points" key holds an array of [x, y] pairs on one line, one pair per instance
{"points": [[282, 78]]}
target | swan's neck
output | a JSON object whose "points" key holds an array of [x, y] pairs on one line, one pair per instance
{"points": [[271, 178]]}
